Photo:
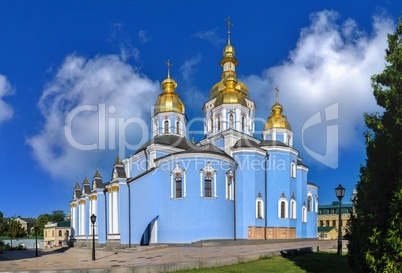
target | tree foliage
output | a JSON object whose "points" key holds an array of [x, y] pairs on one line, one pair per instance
{"points": [[41, 222], [14, 229], [57, 215], [376, 231]]}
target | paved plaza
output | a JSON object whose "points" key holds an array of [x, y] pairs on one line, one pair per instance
{"points": [[151, 259]]}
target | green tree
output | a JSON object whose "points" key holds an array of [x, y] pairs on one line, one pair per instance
{"points": [[41, 222], [57, 215], [14, 230], [376, 232]]}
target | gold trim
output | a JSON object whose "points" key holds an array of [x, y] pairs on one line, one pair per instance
{"points": [[73, 205], [81, 202], [93, 197]]}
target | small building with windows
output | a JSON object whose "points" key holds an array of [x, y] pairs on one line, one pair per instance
{"points": [[328, 220], [56, 234], [230, 185]]}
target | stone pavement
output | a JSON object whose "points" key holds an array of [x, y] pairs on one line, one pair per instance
{"points": [[153, 258]]}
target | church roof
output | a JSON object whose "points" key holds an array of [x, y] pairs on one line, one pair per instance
{"points": [[272, 143], [246, 143], [97, 183], [180, 142]]}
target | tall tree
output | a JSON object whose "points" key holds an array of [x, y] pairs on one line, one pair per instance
{"points": [[41, 222], [57, 215], [376, 231], [14, 229]]}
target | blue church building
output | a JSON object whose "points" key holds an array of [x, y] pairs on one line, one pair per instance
{"points": [[230, 185]]}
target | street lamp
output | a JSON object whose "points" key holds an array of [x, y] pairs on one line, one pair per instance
{"points": [[93, 220], [36, 229], [340, 193]]}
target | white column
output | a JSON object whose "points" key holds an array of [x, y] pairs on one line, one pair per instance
{"points": [[184, 185], [215, 185], [201, 184], [115, 213]]}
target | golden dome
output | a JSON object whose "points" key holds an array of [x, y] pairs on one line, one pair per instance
{"points": [[277, 120], [168, 100], [238, 91], [230, 95]]}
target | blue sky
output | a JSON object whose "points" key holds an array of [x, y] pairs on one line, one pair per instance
{"points": [[56, 56]]}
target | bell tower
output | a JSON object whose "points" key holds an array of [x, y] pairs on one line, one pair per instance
{"points": [[169, 117], [228, 113]]}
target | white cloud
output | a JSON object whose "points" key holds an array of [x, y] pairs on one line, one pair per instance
{"points": [[144, 36], [332, 63], [106, 89], [191, 95], [6, 111], [210, 36], [189, 67]]}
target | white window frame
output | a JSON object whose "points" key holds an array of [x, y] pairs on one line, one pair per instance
{"points": [[293, 209], [304, 214], [229, 185], [182, 172], [293, 169], [283, 199], [166, 121], [260, 201], [208, 169]]}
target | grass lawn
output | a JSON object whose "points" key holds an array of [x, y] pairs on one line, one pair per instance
{"points": [[318, 262]]}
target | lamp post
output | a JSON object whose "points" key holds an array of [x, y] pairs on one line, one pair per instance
{"points": [[93, 220], [36, 229], [340, 193]]}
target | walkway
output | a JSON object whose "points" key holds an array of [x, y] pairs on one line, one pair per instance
{"points": [[151, 259]]}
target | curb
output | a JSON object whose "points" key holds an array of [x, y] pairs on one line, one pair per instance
{"points": [[168, 267]]}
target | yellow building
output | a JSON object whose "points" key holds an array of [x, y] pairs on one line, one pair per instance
{"points": [[56, 234], [328, 220]]}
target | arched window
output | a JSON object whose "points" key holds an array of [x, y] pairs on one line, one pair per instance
{"points": [[156, 127], [208, 181], [218, 123], [259, 207], [243, 123], [283, 207], [293, 169], [166, 126], [60, 233], [178, 127], [178, 186], [316, 203], [211, 122], [304, 214], [230, 121], [229, 185], [293, 208], [177, 182], [309, 204]]}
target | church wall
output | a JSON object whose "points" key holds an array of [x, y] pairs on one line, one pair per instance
{"points": [[144, 204], [123, 212], [194, 218], [301, 177], [101, 217], [250, 183], [312, 216], [136, 167], [280, 186]]}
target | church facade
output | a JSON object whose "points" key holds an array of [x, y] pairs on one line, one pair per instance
{"points": [[230, 185]]}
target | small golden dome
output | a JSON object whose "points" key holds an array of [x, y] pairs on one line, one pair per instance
{"points": [[277, 120], [230, 95], [229, 51], [169, 100]]}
